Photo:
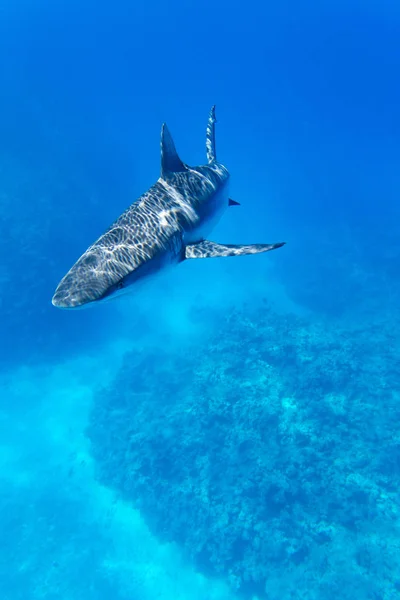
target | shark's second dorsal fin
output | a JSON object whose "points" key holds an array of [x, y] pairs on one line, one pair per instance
{"points": [[210, 139], [170, 161]]}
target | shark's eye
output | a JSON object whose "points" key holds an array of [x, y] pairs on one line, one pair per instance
{"points": [[120, 285]]}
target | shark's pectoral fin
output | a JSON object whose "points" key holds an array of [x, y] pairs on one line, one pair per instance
{"points": [[208, 249]]}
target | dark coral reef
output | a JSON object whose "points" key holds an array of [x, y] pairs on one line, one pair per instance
{"points": [[270, 454]]}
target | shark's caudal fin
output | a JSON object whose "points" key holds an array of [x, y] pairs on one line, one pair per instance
{"points": [[208, 249], [210, 140], [170, 161]]}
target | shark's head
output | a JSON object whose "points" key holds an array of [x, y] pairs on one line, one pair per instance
{"points": [[133, 249], [121, 257], [92, 278]]}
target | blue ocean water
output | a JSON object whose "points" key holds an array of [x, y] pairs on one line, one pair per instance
{"points": [[231, 430]]}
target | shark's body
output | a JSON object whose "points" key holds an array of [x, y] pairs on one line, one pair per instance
{"points": [[166, 225]]}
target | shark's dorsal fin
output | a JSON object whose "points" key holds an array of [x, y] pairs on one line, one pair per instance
{"points": [[170, 161], [210, 139]]}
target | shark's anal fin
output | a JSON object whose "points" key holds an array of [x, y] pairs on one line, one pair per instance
{"points": [[206, 249], [170, 161]]}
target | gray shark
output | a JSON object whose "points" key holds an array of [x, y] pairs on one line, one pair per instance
{"points": [[167, 225]]}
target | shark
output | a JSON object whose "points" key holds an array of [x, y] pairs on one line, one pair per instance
{"points": [[167, 225]]}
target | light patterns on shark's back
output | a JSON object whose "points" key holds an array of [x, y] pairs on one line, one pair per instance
{"points": [[145, 230], [135, 238]]}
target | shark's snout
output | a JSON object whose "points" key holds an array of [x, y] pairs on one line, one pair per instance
{"points": [[70, 295], [79, 288], [66, 300], [94, 277]]}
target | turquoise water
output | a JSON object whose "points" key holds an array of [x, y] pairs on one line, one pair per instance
{"points": [[230, 430]]}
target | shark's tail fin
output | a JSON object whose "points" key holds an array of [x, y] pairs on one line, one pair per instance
{"points": [[210, 140]]}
